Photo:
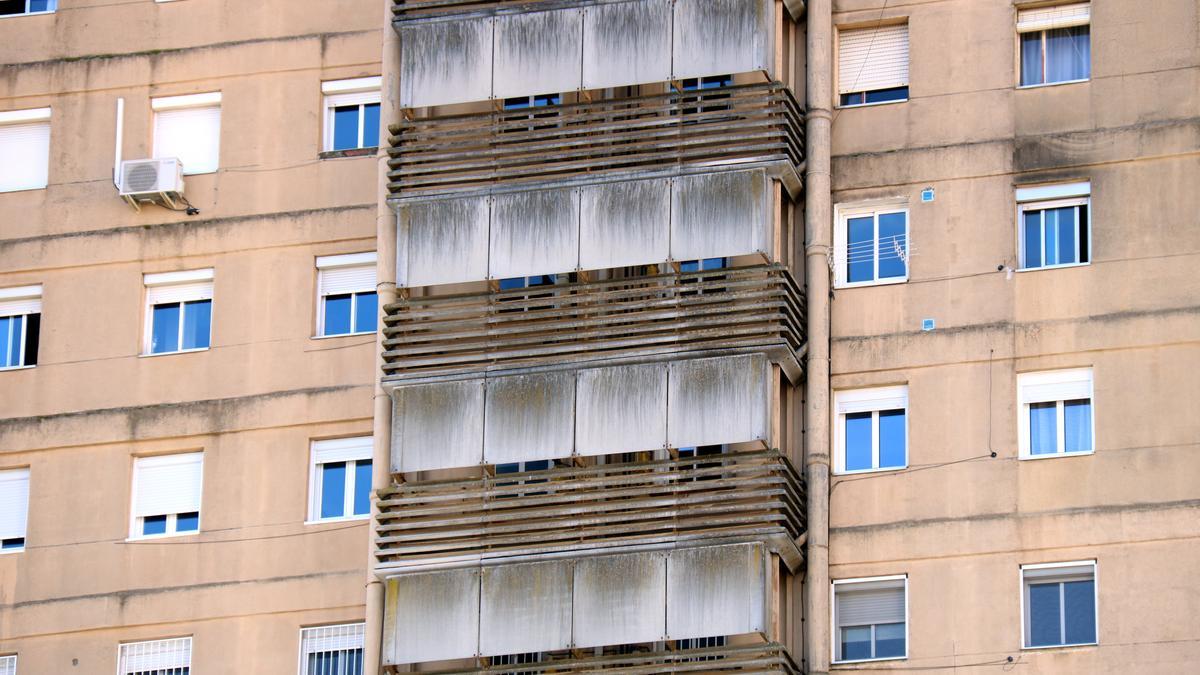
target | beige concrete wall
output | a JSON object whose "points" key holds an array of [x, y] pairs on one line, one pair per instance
{"points": [[256, 573], [959, 522]]}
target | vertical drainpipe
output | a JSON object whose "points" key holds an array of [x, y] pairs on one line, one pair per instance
{"points": [[385, 271], [818, 216]]}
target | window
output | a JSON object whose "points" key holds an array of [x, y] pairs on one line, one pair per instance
{"points": [[20, 326], [702, 643], [178, 311], [703, 265], [351, 113], [189, 129], [526, 102], [166, 495], [872, 246], [1059, 604], [341, 478], [1055, 44], [14, 509], [704, 83], [157, 657], [18, 7], [347, 302], [1056, 413], [24, 149], [873, 64], [871, 429], [8, 665], [1053, 227], [332, 650], [870, 619]]}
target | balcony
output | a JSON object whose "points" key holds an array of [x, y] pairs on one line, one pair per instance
{"points": [[753, 496], [769, 657], [643, 136], [756, 308]]}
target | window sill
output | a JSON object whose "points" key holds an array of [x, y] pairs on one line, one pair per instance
{"points": [[865, 284], [344, 335], [24, 189], [1057, 455], [852, 107], [885, 658], [174, 353], [8, 368], [1051, 84], [13, 16], [1053, 267], [7, 551], [856, 472], [1070, 646], [349, 152], [343, 519], [157, 537]]}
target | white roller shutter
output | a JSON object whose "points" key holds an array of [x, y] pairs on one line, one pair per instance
{"points": [[1057, 385], [193, 135], [866, 400], [157, 295], [340, 274], [14, 503], [21, 300], [1060, 16], [168, 484], [25, 151], [870, 603], [352, 98], [342, 450], [873, 58]]}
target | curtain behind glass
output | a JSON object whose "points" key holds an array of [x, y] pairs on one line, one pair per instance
{"points": [[1031, 58], [1068, 54]]}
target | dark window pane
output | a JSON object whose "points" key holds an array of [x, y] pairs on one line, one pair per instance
{"points": [[362, 487], [1031, 58], [856, 643], [889, 640], [1077, 426], [14, 542], [546, 99], [860, 249], [12, 7], [371, 125], [884, 95], [857, 98], [154, 525], [1068, 54], [366, 307], [337, 315], [508, 468], [893, 245], [345, 127], [187, 522], [858, 441], [33, 333], [1067, 231], [1043, 428], [164, 335], [537, 465], [333, 490], [1084, 235], [197, 322], [891, 438], [1044, 615], [1033, 239], [1079, 599], [516, 103]]}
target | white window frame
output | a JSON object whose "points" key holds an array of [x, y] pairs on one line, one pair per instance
{"points": [[1069, 379], [343, 262], [351, 450], [833, 620], [873, 400], [202, 289], [135, 521], [360, 91], [165, 654], [30, 117], [1042, 197], [349, 636], [52, 10], [842, 215], [1026, 627], [20, 301], [1044, 25], [856, 87], [20, 474], [168, 103]]}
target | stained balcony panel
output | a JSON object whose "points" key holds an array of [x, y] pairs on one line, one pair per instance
{"points": [[534, 232], [715, 36], [716, 590], [526, 608], [737, 386], [539, 49], [623, 45], [529, 417], [437, 425], [767, 657], [621, 407], [619, 600], [443, 241], [720, 214], [626, 223], [431, 617], [446, 62]]}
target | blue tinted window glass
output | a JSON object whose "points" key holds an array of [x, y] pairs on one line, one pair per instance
{"points": [[1044, 615], [187, 522], [893, 245], [1033, 238], [516, 103], [1079, 600], [891, 438], [154, 525], [337, 315], [164, 335], [508, 468], [1068, 54], [714, 263], [15, 542], [366, 307], [1077, 426], [1031, 58], [345, 127], [362, 487], [689, 266], [371, 125], [858, 441], [889, 640], [511, 284], [860, 249], [1050, 236], [882, 95], [333, 490], [546, 99], [42, 5], [1043, 430], [10, 341], [856, 643], [197, 321], [537, 465], [1064, 220]]}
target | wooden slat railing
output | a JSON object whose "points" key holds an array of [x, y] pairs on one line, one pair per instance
{"points": [[759, 307], [743, 123], [750, 495], [768, 657]]}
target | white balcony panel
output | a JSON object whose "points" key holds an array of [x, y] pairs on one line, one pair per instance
{"points": [[538, 52], [525, 608], [534, 233], [529, 417], [720, 214], [621, 409], [620, 599], [445, 62], [624, 224], [716, 590], [627, 43], [437, 426], [431, 617], [718, 400], [442, 242], [712, 37]]}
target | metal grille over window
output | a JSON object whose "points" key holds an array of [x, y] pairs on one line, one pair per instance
{"points": [[157, 657], [332, 650]]}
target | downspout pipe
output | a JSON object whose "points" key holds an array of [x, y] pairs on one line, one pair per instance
{"points": [[818, 221]]}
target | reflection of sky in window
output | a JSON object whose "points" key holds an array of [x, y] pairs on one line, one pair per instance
{"points": [[858, 441], [891, 438], [1043, 428]]}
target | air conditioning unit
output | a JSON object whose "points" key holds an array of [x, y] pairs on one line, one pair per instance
{"points": [[151, 180]]}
